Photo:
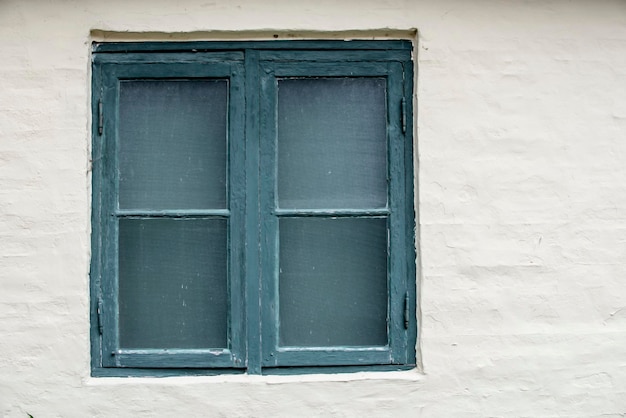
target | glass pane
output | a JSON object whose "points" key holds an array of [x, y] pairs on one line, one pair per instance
{"points": [[172, 283], [332, 143], [333, 282], [172, 144]]}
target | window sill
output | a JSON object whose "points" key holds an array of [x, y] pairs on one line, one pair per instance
{"points": [[413, 375]]}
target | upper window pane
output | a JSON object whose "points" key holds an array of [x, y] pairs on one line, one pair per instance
{"points": [[332, 143], [172, 144]]}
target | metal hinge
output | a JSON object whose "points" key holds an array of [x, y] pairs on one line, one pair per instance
{"points": [[100, 117], [403, 112], [406, 310], [99, 312]]}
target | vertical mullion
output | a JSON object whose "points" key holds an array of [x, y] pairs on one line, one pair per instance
{"points": [[236, 203], [252, 256], [269, 221], [397, 258]]}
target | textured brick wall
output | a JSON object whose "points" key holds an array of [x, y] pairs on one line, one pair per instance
{"points": [[522, 204]]}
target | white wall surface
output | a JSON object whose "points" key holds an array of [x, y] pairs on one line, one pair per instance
{"points": [[522, 209]]}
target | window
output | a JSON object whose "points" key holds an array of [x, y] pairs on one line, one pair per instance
{"points": [[252, 207]]}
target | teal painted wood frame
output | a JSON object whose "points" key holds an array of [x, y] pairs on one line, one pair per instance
{"points": [[211, 46], [251, 68]]}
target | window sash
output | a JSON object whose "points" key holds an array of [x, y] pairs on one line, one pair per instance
{"points": [[395, 352], [109, 215]]}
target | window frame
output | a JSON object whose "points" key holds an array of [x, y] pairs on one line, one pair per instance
{"points": [[251, 67]]}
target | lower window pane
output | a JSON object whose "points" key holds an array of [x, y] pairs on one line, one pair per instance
{"points": [[173, 283], [333, 282]]}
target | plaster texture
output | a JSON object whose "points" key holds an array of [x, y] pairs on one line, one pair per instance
{"points": [[521, 138]]}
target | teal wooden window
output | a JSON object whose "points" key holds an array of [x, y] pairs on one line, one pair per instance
{"points": [[252, 207]]}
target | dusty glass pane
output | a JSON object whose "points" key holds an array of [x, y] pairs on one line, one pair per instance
{"points": [[332, 143], [172, 139], [172, 283], [333, 282]]}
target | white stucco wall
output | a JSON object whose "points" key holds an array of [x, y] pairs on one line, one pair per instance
{"points": [[522, 209]]}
